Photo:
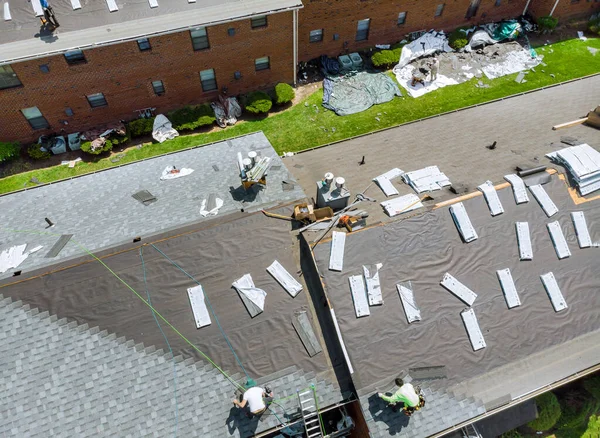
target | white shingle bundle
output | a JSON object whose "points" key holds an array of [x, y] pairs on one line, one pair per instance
{"points": [[583, 163], [427, 179]]}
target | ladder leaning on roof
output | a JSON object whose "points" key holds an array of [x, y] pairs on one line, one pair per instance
{"points": [[470, 431], [309, 409]]}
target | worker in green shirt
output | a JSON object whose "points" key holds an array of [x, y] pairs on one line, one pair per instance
{"points": [[406, 394]]}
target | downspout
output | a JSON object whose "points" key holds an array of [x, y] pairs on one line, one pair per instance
{"points": [[526, 6], [553, 8], [295, 44]]}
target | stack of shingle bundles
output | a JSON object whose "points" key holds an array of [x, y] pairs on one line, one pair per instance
{"points": [[427, 179], [583, 163]]}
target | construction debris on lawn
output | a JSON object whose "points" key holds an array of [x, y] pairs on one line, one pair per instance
{"points": [[474, 61]]}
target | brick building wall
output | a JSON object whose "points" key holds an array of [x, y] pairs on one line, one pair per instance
{"points": [[340, 17], [565, 8], [124, 74]]}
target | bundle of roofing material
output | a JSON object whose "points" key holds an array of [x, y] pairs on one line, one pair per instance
{"points": [[359, 296], [401, 204], [259, 170], [556, 297], [558, 239], [252, 296], [491, 197], [427, 179], [284, 278], [544, 200], [198, 303], [583, 163], [385, 181], [463, 223], [373, 284], [581, 229], [411, 310], [518, 187]]}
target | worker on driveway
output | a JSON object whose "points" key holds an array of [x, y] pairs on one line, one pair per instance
{"points": [[254, 398], [406, 394], [434, 65]]}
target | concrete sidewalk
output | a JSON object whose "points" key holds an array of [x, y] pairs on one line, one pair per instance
{"points": [[521, 126]]}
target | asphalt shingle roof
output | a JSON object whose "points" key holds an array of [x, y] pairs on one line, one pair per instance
{"points": [[62, 379]]}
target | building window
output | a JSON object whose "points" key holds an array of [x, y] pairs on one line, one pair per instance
{"points": [[8, 78], [316, 35], [237, 75], [35, 118], [144, 44], [258, 22], [208, 80], [75, 57], [231, 31], [262, 63], [159, 87], [199, 38], [439, 10], [401, 18], [44, 68], [68, 111], [97, 100], [362, 30]]}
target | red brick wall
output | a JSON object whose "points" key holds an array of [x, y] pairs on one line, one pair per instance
{"points": [[124, 75], [565, 9], [341, 16]]}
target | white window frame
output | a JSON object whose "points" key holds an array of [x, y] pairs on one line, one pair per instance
{"points": [[362, 29], [35, 118], [315, 36], [208, 80], [263, 63], [97, 100]]}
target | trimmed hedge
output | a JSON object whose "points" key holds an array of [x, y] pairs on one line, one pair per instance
{"points": [[284, 93], [140, 127], [36, 153], [547, 24], [386, 58], [87, 148], [548, 412], [458, 39], [258, 102], [119, 139], [593, 429], [189, 118], [9, 151]]}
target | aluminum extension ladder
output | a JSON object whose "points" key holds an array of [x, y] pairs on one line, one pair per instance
{"points": [[470, 431], [310, 412]]}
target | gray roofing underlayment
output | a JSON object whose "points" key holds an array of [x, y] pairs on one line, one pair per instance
{"points": [[100, 212], [93, 24], [528, 347]]}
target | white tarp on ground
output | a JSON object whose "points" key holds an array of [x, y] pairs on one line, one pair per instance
{"points": [[493, 61], [428, 44], [513, 62], [404, 78], [480, 38], [162, 129]]}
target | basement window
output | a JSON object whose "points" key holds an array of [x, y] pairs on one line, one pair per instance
{"points": [[158, 87], [75, 57], [35, 118], [362, 29], [199, 38], [316, 36], [144, 44], [97, 100], [262, 63], [208, 80], [439, 10], [258, 22], [401, 18], [8, 78]]}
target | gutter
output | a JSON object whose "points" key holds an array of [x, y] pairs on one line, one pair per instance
{"points": [[520, 399], [294, 9]]}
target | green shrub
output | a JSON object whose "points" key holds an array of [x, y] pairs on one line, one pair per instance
{"points": [[258, 102], [87, 148], [548, 412], [284, 93], [140, 127], [592, 385], [36, 153], [511, 434], [458, 39], [386, 58], [119, 139], [189, 117], [594, 26], [547, 23], [593, 429], [9, 151]]}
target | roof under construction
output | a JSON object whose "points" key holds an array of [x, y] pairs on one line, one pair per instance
{"points": [[527, 347], [101, 22]]}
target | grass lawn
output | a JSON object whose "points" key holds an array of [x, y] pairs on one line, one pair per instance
{"points": [[308, 124]]}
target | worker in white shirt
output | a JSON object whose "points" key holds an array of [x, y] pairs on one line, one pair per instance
{"points": [[406, 394], [254, 398]]}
